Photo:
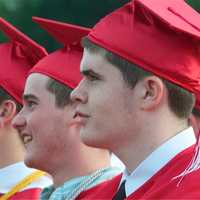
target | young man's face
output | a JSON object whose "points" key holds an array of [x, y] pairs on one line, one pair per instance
{"points": [[42, 125], [107, 108]]}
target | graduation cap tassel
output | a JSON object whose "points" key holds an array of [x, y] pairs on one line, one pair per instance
{"points": [[194, 163]]}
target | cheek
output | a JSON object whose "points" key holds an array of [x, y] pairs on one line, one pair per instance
{"points": [[100, 96], [114, 108], [38, 123], [34, 122], [106, 110], [50, 136], [38, 119], [111, 100]]}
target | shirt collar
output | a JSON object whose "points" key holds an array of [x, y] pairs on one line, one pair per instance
{"points": [[70, 185], [151, 165]]}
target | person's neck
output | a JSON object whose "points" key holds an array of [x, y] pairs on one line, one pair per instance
{"points": [[83, 162], [12, 147], [148, 139]]}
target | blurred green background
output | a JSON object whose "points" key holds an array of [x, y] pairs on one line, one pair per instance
{"points": [[80, 12]]}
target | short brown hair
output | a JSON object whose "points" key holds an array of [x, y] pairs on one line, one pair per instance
{"points": [[196, 112], [180, 100], [6, 96], [61, 92]]}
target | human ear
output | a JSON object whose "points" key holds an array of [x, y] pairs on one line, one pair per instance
{"points": [[153, 92], [8, 110]]}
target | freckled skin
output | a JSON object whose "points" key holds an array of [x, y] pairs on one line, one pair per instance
{"points": [[46, 123]]}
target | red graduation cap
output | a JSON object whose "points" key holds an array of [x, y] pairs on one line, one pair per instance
{"points": [[162, 37], [17, 57], [63, 64]]}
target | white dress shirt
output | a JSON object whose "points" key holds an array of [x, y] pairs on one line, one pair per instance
{"points": [[157, 160]]}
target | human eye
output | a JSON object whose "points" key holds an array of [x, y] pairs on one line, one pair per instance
{"points": [[91, 76], [30, 104]]}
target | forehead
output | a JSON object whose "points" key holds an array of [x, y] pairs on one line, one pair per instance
{"points": [[92, 61], [35, 83], [96, 63]]}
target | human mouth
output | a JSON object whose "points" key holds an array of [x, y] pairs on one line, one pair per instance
{"points": [[80, 117], [26, 138]]}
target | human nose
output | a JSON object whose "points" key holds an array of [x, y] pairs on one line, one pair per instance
{"points": [[79, 94], [19, 122]]}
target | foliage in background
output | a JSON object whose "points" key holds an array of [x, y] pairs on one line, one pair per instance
{"points": [[195, 4], [80, 12]]}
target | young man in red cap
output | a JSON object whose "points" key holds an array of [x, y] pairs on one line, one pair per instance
{"points": [[140, 66], [48, 123], [17, 57]]}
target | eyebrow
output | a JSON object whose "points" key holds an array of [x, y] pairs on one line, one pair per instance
{"points": [[29, 96]]}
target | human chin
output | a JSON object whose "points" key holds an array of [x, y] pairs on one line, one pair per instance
{"points": [[89, 137], [85, 135], [31, 158], [28, 160]]}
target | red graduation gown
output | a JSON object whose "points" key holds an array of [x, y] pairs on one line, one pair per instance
{"points": [[29, 194], [160, 186]]}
